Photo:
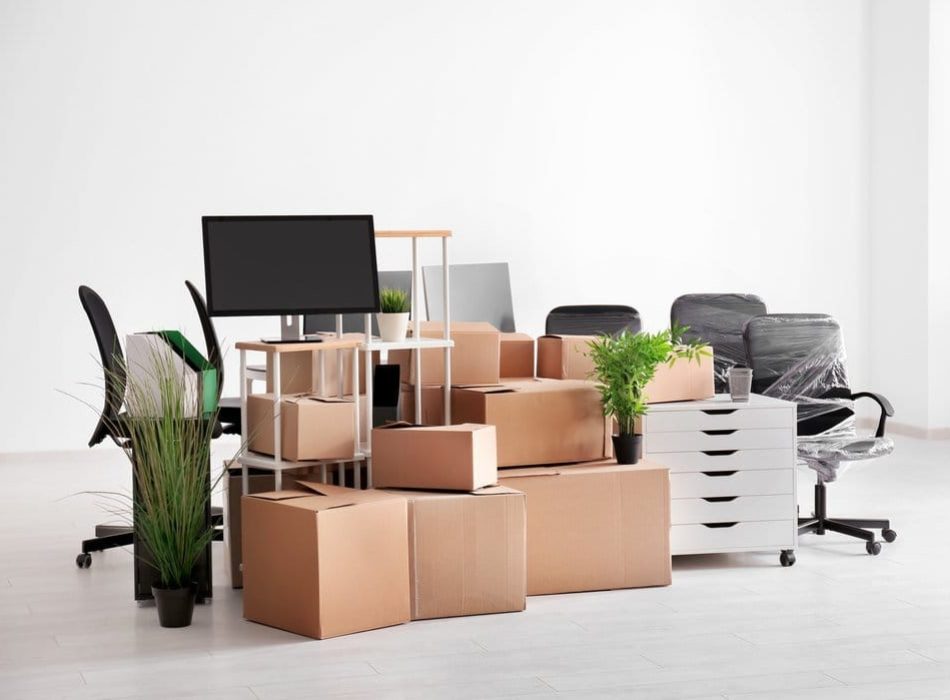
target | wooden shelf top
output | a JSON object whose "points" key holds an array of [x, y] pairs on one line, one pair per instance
{"points": [[326, 344], [413, 234]]}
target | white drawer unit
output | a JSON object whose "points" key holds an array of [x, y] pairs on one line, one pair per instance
{"points": [[732, 473], [753, 482], [728, 460]]}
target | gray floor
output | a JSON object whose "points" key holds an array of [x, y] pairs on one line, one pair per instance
{"points": [[839, 624]]}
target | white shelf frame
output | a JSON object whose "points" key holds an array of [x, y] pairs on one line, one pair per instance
{"points": [[362, 451]]}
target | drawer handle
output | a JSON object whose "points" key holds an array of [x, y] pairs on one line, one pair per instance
{"points": [[720, 524], [721, 473], [719, 411], [719, 499], [719, 432], [719, 453]]}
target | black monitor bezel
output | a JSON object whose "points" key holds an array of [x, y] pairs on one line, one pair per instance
{"points": [[205, 220]]}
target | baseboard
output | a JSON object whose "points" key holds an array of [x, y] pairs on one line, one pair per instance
{"points": [[907, 429]]}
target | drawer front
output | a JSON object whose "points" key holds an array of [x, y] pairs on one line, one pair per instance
{"points": [[718, 419], [748, 483], [699, 539], [730, 509], [725, 460], [698, 440]]}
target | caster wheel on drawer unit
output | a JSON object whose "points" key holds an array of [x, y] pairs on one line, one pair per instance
{"points": [[874, 548], [888, 535], [787, 557]]}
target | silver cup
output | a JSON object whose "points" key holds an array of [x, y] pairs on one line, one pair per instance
{"points": [[740, 383]]}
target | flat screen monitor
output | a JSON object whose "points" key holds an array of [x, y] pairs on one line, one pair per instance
{"points": [[290, 265], [479, 292]]}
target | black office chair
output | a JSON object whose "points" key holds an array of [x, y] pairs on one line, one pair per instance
{"points": [[592, 320], [717, 319], [229, 408], [801, 358], [111, 419]]}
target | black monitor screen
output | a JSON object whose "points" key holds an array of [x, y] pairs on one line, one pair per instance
{"points": [[273, 265]]}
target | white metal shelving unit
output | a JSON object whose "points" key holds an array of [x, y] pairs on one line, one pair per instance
{"points": [[362, 449], [416, 343]]}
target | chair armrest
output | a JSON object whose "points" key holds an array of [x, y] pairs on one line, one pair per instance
{"points": [[886, 409]]}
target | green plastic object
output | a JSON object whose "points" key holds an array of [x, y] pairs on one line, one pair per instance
{"points": [[200, 364]]}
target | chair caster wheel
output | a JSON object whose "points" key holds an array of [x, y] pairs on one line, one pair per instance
{"points": [[84, 560], [888, 535], [787, 557], [874, 548]]}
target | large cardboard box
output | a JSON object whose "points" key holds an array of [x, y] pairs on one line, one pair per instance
{"points": [[475, 356], [564, 357], [312, 427], [300, 371], [433, 405], [683, 381], [325, 561], [259, 480], [450, 457], [595, 527], [539, 421], [517, 355], [466, 552]]}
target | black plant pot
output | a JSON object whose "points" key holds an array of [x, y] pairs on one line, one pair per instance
{"points": [[175, 605], [627, 448]]}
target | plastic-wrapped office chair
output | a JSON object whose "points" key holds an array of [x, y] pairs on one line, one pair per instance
{"points": [[801, 358], [592, 320], [717, 319], [110, 419]]}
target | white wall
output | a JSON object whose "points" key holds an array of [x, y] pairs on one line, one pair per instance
{"points": [[939, 218], [612, 151], [898, 205]]}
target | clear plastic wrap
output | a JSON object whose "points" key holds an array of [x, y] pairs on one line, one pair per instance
{"points": [[801, 358], [718, 319]]}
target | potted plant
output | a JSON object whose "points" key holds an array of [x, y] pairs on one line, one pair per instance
{"points": [[623, 365], [393, 316], [170, 451]]}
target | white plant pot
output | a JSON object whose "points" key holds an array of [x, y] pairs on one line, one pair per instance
{"points": [[393, 327]]}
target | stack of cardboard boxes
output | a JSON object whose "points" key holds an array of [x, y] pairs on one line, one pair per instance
{"points": [[518, 497]]}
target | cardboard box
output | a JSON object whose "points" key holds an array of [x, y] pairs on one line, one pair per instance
{"points": [[684, 381], [450, 457], [300, 371], [325, 561], [259, 480], [433, 405], [476, 356], [516, 355], [312, 427], [595, 527], [466, 552], [539, 421], [564, 357]]}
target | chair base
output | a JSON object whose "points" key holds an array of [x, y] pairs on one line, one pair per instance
{"points": [[860, 528], [112, 536]]}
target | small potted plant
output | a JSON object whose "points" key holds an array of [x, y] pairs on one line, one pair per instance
{"points": [[393, 316], [623, 365], [170, 451]]}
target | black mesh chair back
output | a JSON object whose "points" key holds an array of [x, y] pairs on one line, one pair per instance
{"points": [[592, 320], [800, 357], [717, 319], [211, 337], [113, 364]]}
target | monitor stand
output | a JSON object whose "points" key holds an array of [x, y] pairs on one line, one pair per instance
{"points": [[290, 332]]}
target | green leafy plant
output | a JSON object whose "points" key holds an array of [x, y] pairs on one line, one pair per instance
{"points": [[624, 364], [393, 301], [170, 453]]}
